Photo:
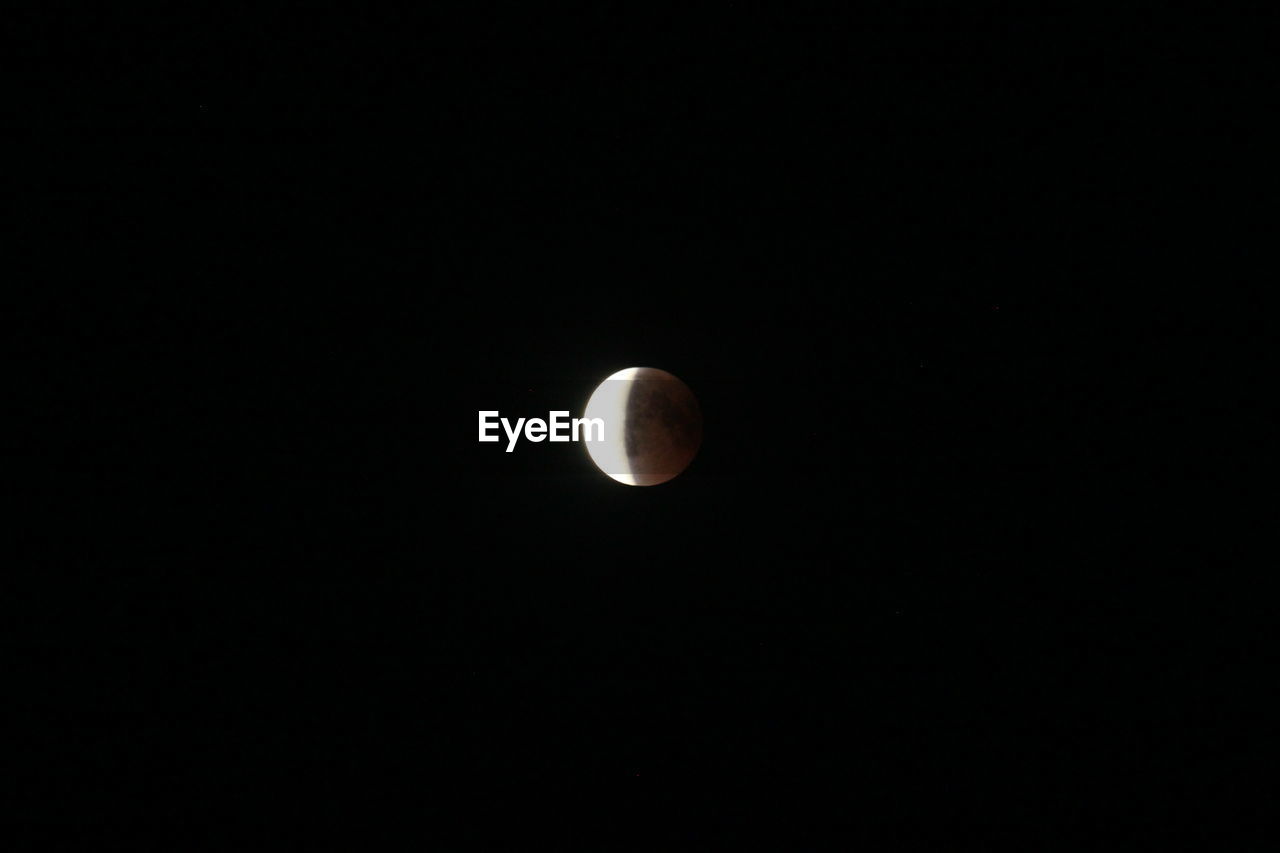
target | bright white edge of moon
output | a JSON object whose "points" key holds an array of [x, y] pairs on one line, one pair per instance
{"points": [[609, 403]]}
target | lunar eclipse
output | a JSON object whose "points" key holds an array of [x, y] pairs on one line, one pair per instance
{"points": [[653, 426]]}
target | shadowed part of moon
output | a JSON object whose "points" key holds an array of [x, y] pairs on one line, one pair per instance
{"points": [[652, 426], [663, 428]]}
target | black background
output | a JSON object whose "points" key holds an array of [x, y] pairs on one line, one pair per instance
{"points": [[896, 590]]}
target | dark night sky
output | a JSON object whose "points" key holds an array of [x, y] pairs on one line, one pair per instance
{"points": [[893, 590]]}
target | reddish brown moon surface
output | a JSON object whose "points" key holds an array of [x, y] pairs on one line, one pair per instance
{"points": [[653, 426]]}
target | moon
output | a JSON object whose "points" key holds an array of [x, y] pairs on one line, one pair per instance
{"points": [[652, 426]]}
